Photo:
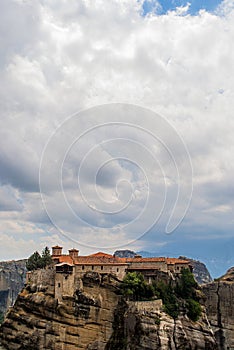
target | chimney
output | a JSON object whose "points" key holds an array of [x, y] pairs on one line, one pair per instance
{"points": [[73, 253], [57, 251]]}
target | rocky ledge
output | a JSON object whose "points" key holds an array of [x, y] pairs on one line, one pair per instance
{"points": [[96, 318]]}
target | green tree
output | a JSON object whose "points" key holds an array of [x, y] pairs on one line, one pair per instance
{"points": [[167, 293], [34, 262], [46, 257], [134, 287], [186, 288], [194, 309], [37, 261]]}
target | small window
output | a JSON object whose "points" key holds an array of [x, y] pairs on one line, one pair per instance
{"points": [[59, 285], [101, 267], [92, 267], [117, 269], [82, 267]]}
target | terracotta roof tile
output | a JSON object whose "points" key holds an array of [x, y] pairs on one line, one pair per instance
{"points": [[101, 254], [176, 261], [98, 260], [155, 259], [63, 258], [101, 258]]}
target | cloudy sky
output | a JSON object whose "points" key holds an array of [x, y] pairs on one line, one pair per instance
{"points": [[117, 127]]}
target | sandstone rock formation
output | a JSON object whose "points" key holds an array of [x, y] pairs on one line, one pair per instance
{"points": [[83, 321], [95, 318], [219, 297], [144, 326]]}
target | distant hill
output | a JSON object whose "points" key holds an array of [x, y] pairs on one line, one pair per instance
{"points": [[124, 253], [12, 279]]}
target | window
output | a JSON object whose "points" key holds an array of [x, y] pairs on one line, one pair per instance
{"points": [[59, 285], [101, 267], [117, 269], [82, 267], [92, 267]]}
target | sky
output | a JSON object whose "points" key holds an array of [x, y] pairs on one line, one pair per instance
{"points": [[117, 127]]}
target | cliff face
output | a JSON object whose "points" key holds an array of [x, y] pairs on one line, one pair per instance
{"points": [[39, 322], [12, 278], [95, 318], [144, 326], [219, 297], [200, 271]]}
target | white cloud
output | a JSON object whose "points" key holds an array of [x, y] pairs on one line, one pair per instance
{"points": [[57, 59]]}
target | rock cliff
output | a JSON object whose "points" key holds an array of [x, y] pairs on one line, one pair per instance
{"points": [[200, 271], [144, 326], [39, 322], [95, 318], [219, 296], [12, 278]]}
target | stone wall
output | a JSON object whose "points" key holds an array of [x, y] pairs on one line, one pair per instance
{"points": [[118, 270], [146, 306], [41, 280], [160, 265], [64, 285]]}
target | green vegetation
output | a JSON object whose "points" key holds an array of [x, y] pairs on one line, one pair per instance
{"points": [[167, 294], [37, 261], [175, 296], [186, 288], [135, 288], [194, 309], [46, 257]]}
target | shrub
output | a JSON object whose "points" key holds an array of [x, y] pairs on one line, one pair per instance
{"points": [[167, 294], [134, 287], [172, 297], [194, 309], [186, 288]]}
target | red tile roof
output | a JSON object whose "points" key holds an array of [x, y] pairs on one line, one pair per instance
{"points": [[101, 255], [147, 260], [173, 261], [63, 258], [98, 260], [101, 258]]}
